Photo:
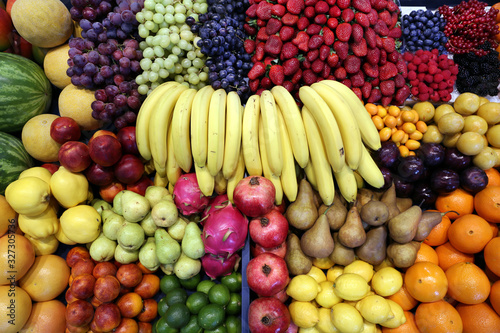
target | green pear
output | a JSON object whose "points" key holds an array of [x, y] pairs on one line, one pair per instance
{"points": [[177, 230], [111, 223], [117, 202], [186, 267], [134, 206], [192, 243], [100, 205], [131, 236], [165, 213], [102, 248], [156, 193], [148, 225], [167, 269], [168, 249], [124, 256], [148, 256]]}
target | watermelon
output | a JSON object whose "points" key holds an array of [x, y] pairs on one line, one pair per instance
{"points": [[14, 159], [25, 91]]}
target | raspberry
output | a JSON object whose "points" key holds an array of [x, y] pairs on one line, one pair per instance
{"points": [[428, 78], [407, 56], [432, 69], [446, 74], [423, 97], [412, 75], [412, 67], [423, 68], [416, 61], [438, 77]]}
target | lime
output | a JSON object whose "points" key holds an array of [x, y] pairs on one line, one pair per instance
{"points": [[191, 282], [211, 316], [233, 324], [219, 294], [232, 281], [169, 282], [205, 285], [177, 295], [177, 315], [162, 327], [196, 301], [234, 305], [218, 329], [162, 306], [192, 326]]}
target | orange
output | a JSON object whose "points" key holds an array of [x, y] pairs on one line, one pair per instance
{"points": [[438, 317], [492, 255], [467, 283], [426, 281], [439, 234], [371, 108], [495, 296], [487, 203], [16, 255], [408, 327], [470, 233], [493, 176], [448, 256], [46, 317], [497, 36], [427, 253], [497, 6], [20, 308], [404, 299], [458, 201], [494, 229], [478, 318]]}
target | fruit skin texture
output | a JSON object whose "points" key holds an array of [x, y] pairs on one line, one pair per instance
{"points": [[267, 274], [24, 254], [75, 103], [15, 159], [470, 233], [268, 314], [81, 224], [426, 282], [22, 310], [254, 196], [37, 140], [55, 66], [438, 317], [46, 317], [487, 204], [492, 255], [69, 188], [467, 283], [478, 318]]}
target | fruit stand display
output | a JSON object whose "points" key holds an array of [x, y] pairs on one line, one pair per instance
{"points": [[249, 166]]}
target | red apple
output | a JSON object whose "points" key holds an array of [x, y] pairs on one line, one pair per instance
{"points": [[106, 318], [268, 315], [269, 230], [65, 129], [5, 29], [105, 150], [52, 167], [267, 274], [126, 136], [108, 192], [83, 286], [280, 250], [69, 297], [74, 156], [141, 185], [19, 45], [129, 169], [98, 175], [79, 313]]}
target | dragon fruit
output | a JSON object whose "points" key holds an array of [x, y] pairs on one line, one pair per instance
{"points": [[215, 266], [187, 195], [225, 231], [216, 203]]}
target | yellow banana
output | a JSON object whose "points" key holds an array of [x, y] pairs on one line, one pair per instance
{"points": [[295, 126], [160, 181], [266, 168], [348, 126], [288, 175], [321, 167], [271, 128], [199, 125], [369, 170], [234, 116], [206, 181], [172, 169], [145, 112], [237, 176], [369, 132], [347, 184], [220, 183], [216, 131], [329, 129], [359, 180], [181, 118], [250, 136], [310, 176]]}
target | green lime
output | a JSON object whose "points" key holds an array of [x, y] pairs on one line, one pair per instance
{"points": [[218, 329], [192, 282], [196, 301], [177, 295], [153, 326], [204, 286], [163, 327], [177, 315], [233, 324], [219, 294], [192, 326], [234, 305], [232, 281], [162, 306], [169, 282], [211, 316]]}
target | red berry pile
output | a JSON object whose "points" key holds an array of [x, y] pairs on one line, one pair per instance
{"points": [[300, 42], [431, 76]]}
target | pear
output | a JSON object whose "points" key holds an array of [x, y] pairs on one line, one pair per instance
{"points": [[335, 213], [317, 241], [341, 254], [102, 248], [403, 227], [111, 223], [134, 206], [117, 203], [374, 213], [403, 255], [164, 213], [192, 243], [428, 220], [149, 225], [100, 205], [130, 236], [297, 262], [186, 267], [29, 195], [404, 203], [352, 234], [303, 212], [156, 193], [125, 257], [147, 254], [167, 269], [177, 230], [364, 196], [390, 199], [168, 249], [373, 250]]}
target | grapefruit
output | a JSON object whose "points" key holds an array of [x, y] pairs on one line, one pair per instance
{"points": [[46, 317], [15, 308], [16, 255]]}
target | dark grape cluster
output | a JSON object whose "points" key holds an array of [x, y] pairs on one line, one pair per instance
{"points": [[424, 30], [222, 36], [478, 74], [107, 57]]}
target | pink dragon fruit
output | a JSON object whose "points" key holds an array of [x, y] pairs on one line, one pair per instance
{"points": [[215, 266], [216, 203], [187, 195]]}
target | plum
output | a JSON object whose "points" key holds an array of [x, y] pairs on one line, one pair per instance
{"points": [[473, 179], [404, 188], [431, 153], [455, 160], [444, 180], [387, 173], [387, 155], [423, 195], [411, 168], [74, 156]]}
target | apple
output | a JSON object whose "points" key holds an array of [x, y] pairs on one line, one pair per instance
{"points": [[267, 274], [19, 45], [5, 29], [129, 169], [130, 305], [269, 230], [149, 286], [65, 129], [149, 311], [83, 286], [99, 175], [79, 313], [268, 315], [129, 275], [126, 136], [74, 156], [75, 254], [108, 192], [105, 150], [127, 325], [84, 266], [141, 185], [52, 167], [280, 250], [106, 318], [107, 288], [104, 268]]}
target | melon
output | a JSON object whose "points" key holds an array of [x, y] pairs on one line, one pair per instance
{"points": [[15, 159]]}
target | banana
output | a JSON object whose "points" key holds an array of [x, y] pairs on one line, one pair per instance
{"points": [[310, 176], [329, 129], [234, 116], [142, 121], [266, 168], [199, 125], [321, 167], [181, 118], [369, 170], [271, 129], [250, 136], [359, 180], [206, 181], [369, 132], [347, 184], [294, 124], [237, 176], [158, 125], [220, 183], [216, 131], [172, 169], [348, 126], [288, 175], [160, 181]]}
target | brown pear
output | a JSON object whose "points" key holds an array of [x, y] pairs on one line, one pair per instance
{"points": [[296, 261], [352, 234], [374, 213], [403, 255], [341, 255], [365, 195], [303, 212], [403, 203], [317, 242], [403, 227], [335, 213], [389, 198], [429, 220], [373, 250]]}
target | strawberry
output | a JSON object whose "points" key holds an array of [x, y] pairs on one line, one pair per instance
{"points": [[251, 31], [302, 23], [375, 96], [312, 55], [288, 85], [313, 29], [343, 4], [328, 36], [258, 70], [289, 50], [297, 76], [310, 2], [340, 73], [347, 15], [362, 5], [321, 7], [254, 85], [249, 46], [381, 28], [320, 19], [387, 71], [357, 32], [306, 64], [260, 23], [295, 6], [357, 92], [259, 92], [393, 56], [343, 32], [273, 26], [366, 89], [387, 87], [386, 100], [291, 66], [266, 83], [375, 82], [324, 51], [370, 70], [309, 77], [286, 33], [301, 41], [278, 10], [332, 22], [263, 10], [282, 2], [394, 20], [273, 45], [383, 57], [402, 67], [251, 11], [315, 41], [262, 35], [268, 61], [362, 19], [402, 94], [378, 5], [334, 11], [371, 37], [331, 3], [326, 71], [277, 75], [309, 12], [395, 32], [341, 48], [373, 56], [332, 60], [389, 44], [352, 64], [347, 82], [386, 17], [360, 49], [372, 16], [317, 66], [259, 51], [289, 19], [358, 79], [392, 6]]}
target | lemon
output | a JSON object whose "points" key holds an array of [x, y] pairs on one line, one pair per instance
{"points": [[466, 103], [385, 263], [375, 309], [346, 318], [309, 330], [55, 65], [399, 316], [370, 327], [325, 321], [360, 267], [304, 314], [323, 263], [75, 103], [303, 288], [387, 281], [327, 297], [351, 286], [317, 274], [441, 110], [37, 140], [333, 272]]}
